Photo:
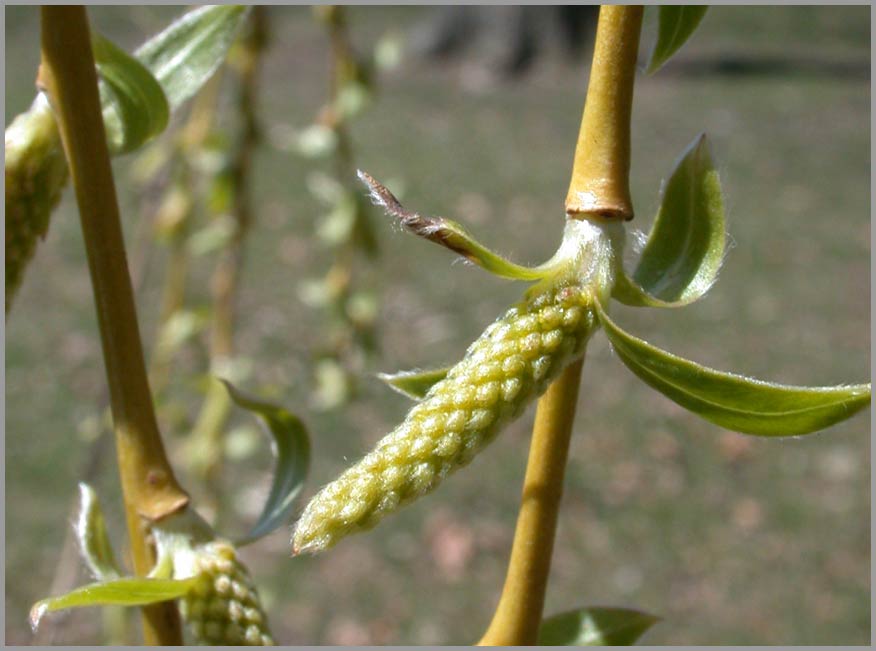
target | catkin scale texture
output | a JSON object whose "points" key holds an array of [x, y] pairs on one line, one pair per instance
{"points": [[507, 367], [36, 172], [224, 608]]}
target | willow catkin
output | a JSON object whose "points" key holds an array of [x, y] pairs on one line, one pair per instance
{"points": [[223, 608], [508, 366], [36, 173]]}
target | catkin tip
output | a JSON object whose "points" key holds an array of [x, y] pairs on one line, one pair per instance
{"points": [[301, 544], [297, 547]]}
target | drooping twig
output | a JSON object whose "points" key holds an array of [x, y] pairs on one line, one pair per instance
{"points": [[206, 438]]}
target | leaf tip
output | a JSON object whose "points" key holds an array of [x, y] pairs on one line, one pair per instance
{"points": [[36, 614], [86, 493], [699, 149]]}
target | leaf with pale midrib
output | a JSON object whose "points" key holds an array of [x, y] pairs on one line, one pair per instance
{"points": [[595, 626], [291, 447], [127, 591], [133, 102], [739, 403], [685, 248], [676, 23]]}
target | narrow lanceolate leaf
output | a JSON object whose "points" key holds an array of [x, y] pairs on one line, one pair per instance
{"points": [[737, 402], [128, 591], [414, 384], [450, 235], [92, 535], [134, 106], [675, 25], [595, 626], [685, 248], [185, 55], [291, 446]]}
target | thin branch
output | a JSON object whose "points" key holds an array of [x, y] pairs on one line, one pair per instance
{"points": [[600, 174], [518, 615], [599, 189], [150, 489]]}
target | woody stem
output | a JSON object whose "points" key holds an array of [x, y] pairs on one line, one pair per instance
{"points": [[149, 487], [599, 189]]}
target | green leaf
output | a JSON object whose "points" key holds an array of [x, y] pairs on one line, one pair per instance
{"points": [[316, 141], [127, 591], [333, 384], [180, 327], [389, 51], [675, 25], [134, 106], [91, 532], [186, 54], [685, 248], [414, 384], [451, 235], [736, 402], [337, 226], [291, 446], [353, 97], [362, 308], [595, 626], [212, 237]]}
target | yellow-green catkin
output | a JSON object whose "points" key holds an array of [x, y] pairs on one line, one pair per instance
{"points": [[36, 173], [224, 607], [511, 364]]}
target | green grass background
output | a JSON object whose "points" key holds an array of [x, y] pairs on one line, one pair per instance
{"points": [[731, 539]]}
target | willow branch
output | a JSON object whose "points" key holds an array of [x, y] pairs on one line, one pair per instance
{"points": [[601, 171], [210, 424], [518, 614], [149, 487], [599, 189]]}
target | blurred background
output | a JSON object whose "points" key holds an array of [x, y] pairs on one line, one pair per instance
{"points": [[732, 540]]}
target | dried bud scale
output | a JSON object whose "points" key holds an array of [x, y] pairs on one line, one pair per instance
{"points": [[504, 370]]}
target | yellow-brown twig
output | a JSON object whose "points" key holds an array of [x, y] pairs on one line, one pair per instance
{"points": [[599, 189], [600, 173], [149, 487], [518, 614]]}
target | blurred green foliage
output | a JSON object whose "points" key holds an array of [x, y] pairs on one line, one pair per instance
{"points": [[731, 539]]}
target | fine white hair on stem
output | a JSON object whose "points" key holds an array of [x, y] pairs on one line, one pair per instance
{"points": [[432, 228], [381, 196]]}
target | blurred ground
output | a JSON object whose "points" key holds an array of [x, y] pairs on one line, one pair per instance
{"points": [[732, 540]]}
